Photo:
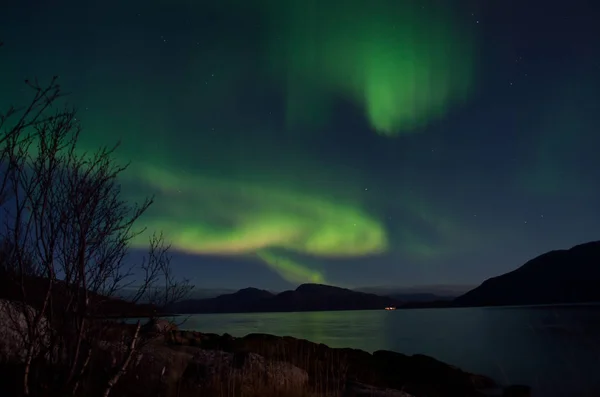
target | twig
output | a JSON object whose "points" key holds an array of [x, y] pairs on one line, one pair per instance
{"points": [[113, 381]]}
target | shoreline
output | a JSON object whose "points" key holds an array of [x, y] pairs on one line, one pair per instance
{"points": [[416, 376], [138, 316], [398, 308]]}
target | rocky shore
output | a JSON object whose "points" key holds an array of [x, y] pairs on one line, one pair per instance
{"points": [[184, 362], [168, 362]]}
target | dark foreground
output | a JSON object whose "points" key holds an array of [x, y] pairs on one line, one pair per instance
{"points": [[264, 365], [173, 363]]}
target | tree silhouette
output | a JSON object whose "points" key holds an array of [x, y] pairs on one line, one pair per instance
{"points": [[65, 234]]}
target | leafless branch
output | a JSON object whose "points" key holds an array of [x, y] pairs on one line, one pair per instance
{"points": [[123, 367], [65, 236]]}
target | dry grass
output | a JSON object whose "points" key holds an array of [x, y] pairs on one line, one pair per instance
{"points": [[167, 368], [327, 369], [228, 378], [230, 386]]}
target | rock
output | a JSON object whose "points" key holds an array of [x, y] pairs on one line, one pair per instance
{"points": [[154, 371], [424, 375], [161, 370], [517, 391], [14, 336], [250, 373], [355, 389], [256, 360], [330, 368], [159, 326]]}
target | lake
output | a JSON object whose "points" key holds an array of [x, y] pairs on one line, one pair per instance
{"points": [[556, 349]]}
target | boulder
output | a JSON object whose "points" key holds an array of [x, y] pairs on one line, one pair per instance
{"points": [[159, 326], [249, 373], [424, 375], [161, 370], [155, 370]]}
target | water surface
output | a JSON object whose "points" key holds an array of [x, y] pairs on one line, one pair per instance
{"points": [[556, 350]]}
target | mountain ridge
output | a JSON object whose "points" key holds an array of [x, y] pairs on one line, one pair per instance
{"points": [[306, 297], [561, 276], [555, 277]]}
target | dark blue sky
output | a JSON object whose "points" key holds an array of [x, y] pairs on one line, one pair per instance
{"points": [[269, 166]]}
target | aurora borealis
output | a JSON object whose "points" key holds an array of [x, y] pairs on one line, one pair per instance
{"points": [[348, 142], [403, 64]]}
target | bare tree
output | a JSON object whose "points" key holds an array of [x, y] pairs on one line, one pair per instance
{"points": [[66, 232]]}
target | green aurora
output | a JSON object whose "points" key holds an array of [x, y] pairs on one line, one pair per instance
{"points": [[404, 64], [229, 217], [262, 192], [403, 68], [345, 142], [395, 66]]}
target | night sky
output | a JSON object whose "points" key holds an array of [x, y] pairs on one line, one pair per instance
{"points": [[347, 142]]}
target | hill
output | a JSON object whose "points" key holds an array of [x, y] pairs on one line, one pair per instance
{"points": [[36, 288], [423, 293], [242, 301], [562, 276], [307, 297]]}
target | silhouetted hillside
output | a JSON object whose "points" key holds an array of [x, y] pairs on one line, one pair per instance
{"points": [[420, 298], [36, 287], [421, 293], [205, 293], [563, 276], [244, 300], [307, 297]]}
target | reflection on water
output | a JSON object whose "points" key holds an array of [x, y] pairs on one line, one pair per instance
{"points": [[554, 349], [335, 329]]}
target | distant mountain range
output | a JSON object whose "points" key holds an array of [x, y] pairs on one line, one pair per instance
{"points": [[307, 297], [420, 292], [425, 293], [563, 276]]}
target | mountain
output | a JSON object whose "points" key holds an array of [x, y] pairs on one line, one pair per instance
{"points": [[423, 293], [242, 301], [128, 293], [36, 288], [204, 293], [307, 297], [562, 276]]}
